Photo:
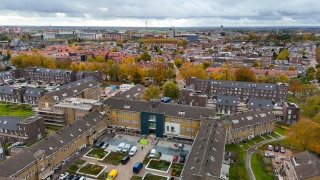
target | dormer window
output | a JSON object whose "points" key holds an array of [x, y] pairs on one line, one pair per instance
{"points": [[182, 112]]}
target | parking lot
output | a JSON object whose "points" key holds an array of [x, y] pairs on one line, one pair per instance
{"points": [[167, 149]]}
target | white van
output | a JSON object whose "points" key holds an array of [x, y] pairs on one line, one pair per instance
{"points": [[152, 153], [120, 147], [133, 150], [126, 148]]}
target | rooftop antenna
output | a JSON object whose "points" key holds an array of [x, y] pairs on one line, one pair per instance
{"points": [[146, 28]]}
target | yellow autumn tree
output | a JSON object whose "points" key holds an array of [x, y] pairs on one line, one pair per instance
{"points": [[305, 134]]}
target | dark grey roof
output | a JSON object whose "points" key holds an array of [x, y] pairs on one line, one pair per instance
{"points": [[52, 71], [75, 83], [8, 122], [16, 42], [7, 89], [248, 61], [219, 60], [259, 103], [227, 100], [68, 133], [70, 92], [130, 93], [6, 74], [33, 92], [193, 112], [250, 117], [239, 84], [16, 162], [81, 72], [306, 165], [206, 156]]}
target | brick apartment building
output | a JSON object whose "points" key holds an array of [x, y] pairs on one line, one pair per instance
{"points": [[243, 90], [12, 130], [47, 107], [45, 74], [192, 98], [290, 112], [40, 160], [115, 35], [248, 124]]}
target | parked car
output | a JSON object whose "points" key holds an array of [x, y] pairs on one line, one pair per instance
{"points": [[125, 148], [282, 150], [125, 159], [133, 150], [105, 145], [99, 143], [270, 155], [182, 158], [270, 147], [276, 148], [120, 147], [69, 177], [158, 155], [180, 145], [137, 167], [63, 175], [153, 153], [112, 174], [175, 158]]}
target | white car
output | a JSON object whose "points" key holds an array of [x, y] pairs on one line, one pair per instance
{"points": [[153, 153], [270, 155], [63, 175], [133, 150], [105, 145]]}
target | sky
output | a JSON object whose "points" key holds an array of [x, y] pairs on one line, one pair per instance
{"points": [[164, 13]]}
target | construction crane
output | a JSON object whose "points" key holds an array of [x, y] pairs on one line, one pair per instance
{"points": [[146, 28]]}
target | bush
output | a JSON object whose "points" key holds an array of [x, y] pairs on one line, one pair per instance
{"points": [[93, 169], [159, 165], [72, 168]]}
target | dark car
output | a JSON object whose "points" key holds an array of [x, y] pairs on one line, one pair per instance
{"points": [[69, 177], [125, 159], [99, 143], [182, 158], [276, 148]]}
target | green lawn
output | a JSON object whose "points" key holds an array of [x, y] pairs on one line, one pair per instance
{"points": [[290, 98], [257, 139], [113, 158], [261, 167], [161, 165], [280, 130], [96, 153], [177, 165], [92, 169], [266, 136], [250, 142], [150, 176], [14, 109], [136, 178], [72, 168], [237, 171], [79, 162], [244, 145], [273, 134]]}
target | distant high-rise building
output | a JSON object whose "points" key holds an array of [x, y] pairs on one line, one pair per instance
{"points": [[172, 32], [221, 28]]}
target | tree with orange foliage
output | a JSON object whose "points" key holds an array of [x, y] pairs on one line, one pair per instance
{"points": [[305, 134], [245, 74], [295, 85]]}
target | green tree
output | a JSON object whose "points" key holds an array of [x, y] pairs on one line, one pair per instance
{"points": [[245, 74], [256, 64], [312, 106], [158, 73], [283, 55], [170, 74], [307, 90], [99, 59], [145, 56], [178, 62], [283, 78], [170, 64], [171, 90], [152, 92], [95, 66]]}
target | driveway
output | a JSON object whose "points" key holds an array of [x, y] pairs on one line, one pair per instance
{"points": [[253, 149]]}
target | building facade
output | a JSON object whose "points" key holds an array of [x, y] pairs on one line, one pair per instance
{"points": [[249, 124], [40, 160], [290, 112], [161, 119], [192, 98], [243, 90]]}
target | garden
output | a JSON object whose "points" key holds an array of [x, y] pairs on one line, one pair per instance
{"points": [[160, 165], [149, 176], [176, 169], [113, 158], [136, 178], [96, 153], [237, 170], [261, 167], [15, 109], [91, 169]]}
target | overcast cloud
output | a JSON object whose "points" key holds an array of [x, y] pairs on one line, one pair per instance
{"points": [[160, 13]]}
